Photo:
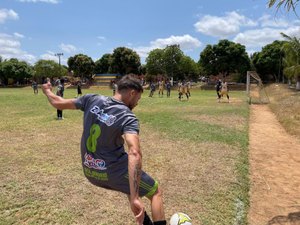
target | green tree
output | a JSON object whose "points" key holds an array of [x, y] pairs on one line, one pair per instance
{"points": [[189, 68], [48, 68], [292, 59], [208, 60], [103, 64], [142, 69], [16, 70], [172, 57], [155, 63], [224, 58], [171, 62], [287, 4], [125, 61], [82, 66], [268, 62]]}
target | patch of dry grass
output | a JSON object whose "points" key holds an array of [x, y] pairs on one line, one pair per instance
{"points": [[285, 103], [194, 174], [41, 179]]}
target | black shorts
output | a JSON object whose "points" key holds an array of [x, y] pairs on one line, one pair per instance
{"points": [[119, 181]]}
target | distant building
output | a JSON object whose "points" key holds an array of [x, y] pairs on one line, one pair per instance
{"points": [[105, 79]]}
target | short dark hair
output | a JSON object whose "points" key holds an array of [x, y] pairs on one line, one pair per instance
{"points": [[129, 82]]}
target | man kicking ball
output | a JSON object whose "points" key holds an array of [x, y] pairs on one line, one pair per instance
{"points": [[104, 160]]}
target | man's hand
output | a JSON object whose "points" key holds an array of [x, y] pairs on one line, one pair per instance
{"points": [[46, 87], [138, 210]]}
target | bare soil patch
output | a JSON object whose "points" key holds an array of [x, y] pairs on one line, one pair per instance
{"points": [[274, 171]]}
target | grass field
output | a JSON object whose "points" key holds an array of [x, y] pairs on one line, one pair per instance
{"points": [[196, 149]]}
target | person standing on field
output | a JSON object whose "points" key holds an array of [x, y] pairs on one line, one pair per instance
{"points": [[152, 89], [224, 90], [182, 90], [188, 85], [218, 88], [168, 87], [60, 92], [161, 87], [79, 92], [105, 162], [35, 87]]}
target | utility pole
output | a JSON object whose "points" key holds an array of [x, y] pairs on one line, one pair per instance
{"points": [[59, 55]]}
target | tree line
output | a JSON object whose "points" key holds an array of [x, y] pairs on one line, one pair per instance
{"points": [[278, 61]]}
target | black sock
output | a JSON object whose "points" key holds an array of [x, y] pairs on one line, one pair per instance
{"points": [[162, 222], [147, 220]]}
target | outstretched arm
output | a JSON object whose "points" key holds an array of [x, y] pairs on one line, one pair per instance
{"points": [[134, 172], [57, 101]]}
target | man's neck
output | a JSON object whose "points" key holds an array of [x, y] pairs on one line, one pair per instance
{"points": [[119, 98]]}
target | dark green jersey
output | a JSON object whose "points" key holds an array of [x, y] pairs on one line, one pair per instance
{"points": [[105, 121], [104, 160]]}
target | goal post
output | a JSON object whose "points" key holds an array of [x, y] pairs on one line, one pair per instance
{"points": [[255, 89]]}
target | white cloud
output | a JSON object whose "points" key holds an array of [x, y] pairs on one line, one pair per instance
{"points": [[8, 14], [264, 30], [101, 38], [49, 56], [293, 31], [256, 39], [68, 48], [7, 41], [10, 47], [186, 43], [45, 1], [225, 26], [143, 51], [269, 21], [18, 35]]}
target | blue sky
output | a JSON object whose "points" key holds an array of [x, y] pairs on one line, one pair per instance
{"points": [[31, 30]]}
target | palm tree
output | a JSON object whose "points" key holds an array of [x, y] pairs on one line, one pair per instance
{"points": [[287, 4], [292, 58]]}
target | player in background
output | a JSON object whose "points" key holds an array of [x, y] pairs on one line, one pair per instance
{"points": [[161, 87], [224, 90], [218, 89], [60, 92], [79, 92], [168, 87], [152, 89], [35, 87], [188, 85]]}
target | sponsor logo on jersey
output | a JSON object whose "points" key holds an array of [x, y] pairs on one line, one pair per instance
{"points": [[103, 117], [90, 162]]}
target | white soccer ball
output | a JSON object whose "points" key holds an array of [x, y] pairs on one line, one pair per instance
{"points": [[180, 219]]}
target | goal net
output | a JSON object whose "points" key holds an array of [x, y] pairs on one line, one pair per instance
{"points": [[255, 89]]}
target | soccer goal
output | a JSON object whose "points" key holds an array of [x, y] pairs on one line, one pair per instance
{"points": [[255, 89]]}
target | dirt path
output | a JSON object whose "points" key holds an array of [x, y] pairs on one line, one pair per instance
{"points": [[274, 170]]}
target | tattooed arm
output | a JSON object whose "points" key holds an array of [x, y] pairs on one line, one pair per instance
{"points": [[134, 171]]}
